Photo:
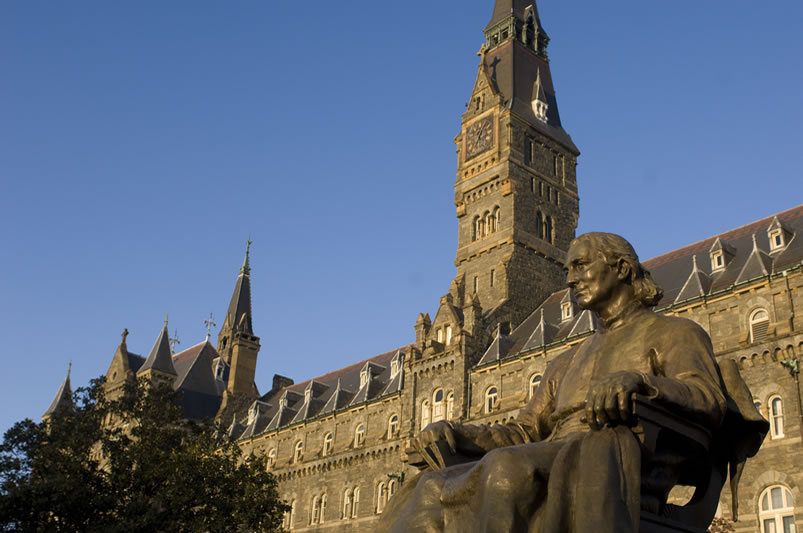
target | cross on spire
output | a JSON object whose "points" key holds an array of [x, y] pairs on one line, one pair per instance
{"points": [[209, 323]]}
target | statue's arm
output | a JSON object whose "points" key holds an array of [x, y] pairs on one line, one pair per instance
{"points": [[685, 374]]}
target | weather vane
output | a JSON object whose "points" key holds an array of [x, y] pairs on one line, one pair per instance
{"points": [[209, 323], [173, 340]]}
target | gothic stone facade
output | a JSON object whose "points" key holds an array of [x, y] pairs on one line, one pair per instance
{"points": [[337, 442]]}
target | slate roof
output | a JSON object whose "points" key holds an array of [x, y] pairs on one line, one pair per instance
{"points": [[201, 394], [514, 70], [327, 393], [672, 270], [684, 274]]}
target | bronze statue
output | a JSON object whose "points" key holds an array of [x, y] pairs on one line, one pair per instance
{"points": [[572, 461]]}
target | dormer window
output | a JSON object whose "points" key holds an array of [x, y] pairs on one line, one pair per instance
{"points": [[252, 414], [448, 335], [440, 335], [717, 261], [776, 239], [363, 378], [307, 395], [566, 311], [394, 368], [219, 371]]}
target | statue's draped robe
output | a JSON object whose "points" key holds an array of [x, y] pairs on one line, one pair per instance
{"points": [[546, 471]]}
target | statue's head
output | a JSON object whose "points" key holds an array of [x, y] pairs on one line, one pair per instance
{"points": [[598, 263]]}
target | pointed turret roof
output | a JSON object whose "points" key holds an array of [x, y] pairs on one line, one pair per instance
{"points": [[586, 322], [758, 264], [499, 348], [697, 285], [161, 357], [63, 398], [542, 335], [238, 315]]}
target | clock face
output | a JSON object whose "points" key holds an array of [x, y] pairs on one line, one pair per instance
{"points": [[479, 137]]}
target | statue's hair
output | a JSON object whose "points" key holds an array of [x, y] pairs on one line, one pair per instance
{"points": [[613, 248]]}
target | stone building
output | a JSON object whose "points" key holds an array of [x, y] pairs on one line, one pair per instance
{"points": [[336, 442]]}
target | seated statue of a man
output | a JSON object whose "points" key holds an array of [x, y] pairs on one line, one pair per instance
{"points": [[570, 461]]}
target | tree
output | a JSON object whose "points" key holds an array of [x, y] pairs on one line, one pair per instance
{"points": [[131, 464]]}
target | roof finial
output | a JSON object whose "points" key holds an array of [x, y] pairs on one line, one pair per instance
{"points": [[124, 335], [694, 262], [755, 244], [209, 323], [69, 368], [166, 320], [173, 340], [246, 268]]}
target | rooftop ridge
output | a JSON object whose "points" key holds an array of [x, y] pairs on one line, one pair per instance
{"points": [[738, 231], [298, 386]]}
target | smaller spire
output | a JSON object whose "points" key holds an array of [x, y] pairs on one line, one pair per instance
{"points": [[166, 320], [63, 398]]}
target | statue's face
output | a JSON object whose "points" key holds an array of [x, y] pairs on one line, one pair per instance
{"points": [[590, 278]]}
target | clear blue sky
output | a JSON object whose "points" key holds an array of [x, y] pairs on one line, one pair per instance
{"points": [[141, 143]]}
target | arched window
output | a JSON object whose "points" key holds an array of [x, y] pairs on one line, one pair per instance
{"points": [[425, 414], [539, 225], [298, 452], [448, 335], [328, 444], [355, 505], [497, 218], [359, 435], [775, 404], [759, 324], [491, 396], [315, 515], [476, 229], [487, 223], [535, 382], [548, 229], [393, 426], [450, 406], [777, 510], [440, 335], [346, 504], [271, 459], [391, 488], [381, 497], [289, 516], [480, 228], [323, 508], [437, 405]]}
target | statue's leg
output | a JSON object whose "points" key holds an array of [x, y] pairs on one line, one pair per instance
{"points": [[501, 492], [416, 507], [595, 481]]}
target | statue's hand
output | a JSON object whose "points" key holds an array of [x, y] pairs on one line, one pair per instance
{"points": [[609, 400], [442, 430]]}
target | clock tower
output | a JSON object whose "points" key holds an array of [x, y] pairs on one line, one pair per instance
{"points": [[516, 189]]}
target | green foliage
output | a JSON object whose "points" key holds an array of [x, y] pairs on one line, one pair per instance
{"points": [[721, 525], [131, 464]]}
